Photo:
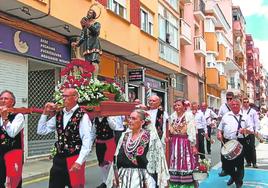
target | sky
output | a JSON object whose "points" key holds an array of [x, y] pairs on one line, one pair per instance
{"points": [[256, 15]]}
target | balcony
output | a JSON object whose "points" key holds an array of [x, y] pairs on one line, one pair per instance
{"points": [[200, 47], [222, 53], [168, 53], [238, 50], [199, 9], [185, 33], [223, 82], [213, 77], [237, 28], [211, 40]]}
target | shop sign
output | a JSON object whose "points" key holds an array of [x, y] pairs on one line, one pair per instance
{"points": [[27, 44], [136, 75], [153, 83]]}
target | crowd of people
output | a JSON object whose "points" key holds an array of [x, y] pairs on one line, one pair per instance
{"points": [[149, 148]]}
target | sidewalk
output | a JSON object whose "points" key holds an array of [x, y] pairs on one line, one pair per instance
{"points": [[35, 169]]}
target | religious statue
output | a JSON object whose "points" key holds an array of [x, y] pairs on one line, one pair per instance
{"points": [[90, 39]]}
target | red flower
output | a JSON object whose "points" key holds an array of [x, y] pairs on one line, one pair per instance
{"points": [[70, 78], [74, 119], [2, 136], [140, 150], [71, 150], [203, 168]]}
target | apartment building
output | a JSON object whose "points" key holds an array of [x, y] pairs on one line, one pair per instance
{"points": [[140, 36]]}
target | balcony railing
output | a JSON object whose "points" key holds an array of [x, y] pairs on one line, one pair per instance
{"points": [[199, 9], [168, 52], [200, 46], [185, 32]]}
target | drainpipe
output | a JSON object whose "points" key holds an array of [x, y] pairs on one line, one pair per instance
{"points": [[47, 14]]}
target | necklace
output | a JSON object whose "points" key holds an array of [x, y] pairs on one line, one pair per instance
{"points": [[131, 145]]}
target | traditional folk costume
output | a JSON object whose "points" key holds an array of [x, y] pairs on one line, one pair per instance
{"points": [[11, 151], [230, 125], [137, 161], [182, 160], [103, 130], [159, 119], [73, 145]]}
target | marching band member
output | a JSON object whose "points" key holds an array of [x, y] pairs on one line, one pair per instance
{"points": [[250, 154], [209, 115], [234, 126], [73, 127], [201, 126], [11, 142], [182, 157], [224, 108]]}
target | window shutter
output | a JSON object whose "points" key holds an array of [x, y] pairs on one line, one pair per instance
{"points": [[135, 12], [103, 2]]}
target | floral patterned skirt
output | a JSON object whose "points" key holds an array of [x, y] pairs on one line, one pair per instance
{"points": [[182, 161]]}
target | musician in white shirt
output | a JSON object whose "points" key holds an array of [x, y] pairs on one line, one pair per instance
{"points": [[225, 107], [246, 110], [201, 126], [209, 116], [235, 126]]}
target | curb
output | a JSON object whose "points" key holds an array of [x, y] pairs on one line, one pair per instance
{"points": [[90, 162]]}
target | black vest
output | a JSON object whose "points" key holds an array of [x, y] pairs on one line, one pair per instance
{"points": [[159, 122], [69, 142], [103, 130], [8, 143]]}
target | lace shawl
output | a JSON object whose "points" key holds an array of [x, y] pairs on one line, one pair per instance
{"points": [[155, 156]]}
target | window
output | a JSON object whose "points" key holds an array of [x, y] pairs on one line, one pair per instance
{"points": [[180, 82], [232, 82], [173, 3], [119, 7], [168, 31], [146, 22]]}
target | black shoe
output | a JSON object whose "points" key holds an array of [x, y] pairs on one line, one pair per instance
{"points": [[239, 185], [103, 185], [255, 166], [230, 181], [248, 165], [209, 152], [222, 173]]}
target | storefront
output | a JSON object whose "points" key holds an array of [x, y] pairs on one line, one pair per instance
{"points": [[29, 66]]}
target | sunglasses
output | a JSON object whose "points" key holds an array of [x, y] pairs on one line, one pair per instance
{"points": [[229, 99], [245, 101]]}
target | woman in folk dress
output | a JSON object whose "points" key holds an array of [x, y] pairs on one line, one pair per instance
{"points": [[182, 147], [139, 155]]}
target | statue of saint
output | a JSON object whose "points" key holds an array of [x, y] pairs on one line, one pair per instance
{"points": [[90, 39]]}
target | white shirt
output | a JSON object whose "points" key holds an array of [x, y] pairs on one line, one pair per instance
{"points": [[229, 125], [115, 123], [224, 108], [13, 128], [253, 117], [47, 126], [209, 114], [200, 121]]}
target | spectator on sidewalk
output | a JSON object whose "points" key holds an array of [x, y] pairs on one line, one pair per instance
{"points": [[11, 142], [73, 127]]}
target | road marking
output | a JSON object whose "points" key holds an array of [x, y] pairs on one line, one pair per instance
{"points": [[47, 177]]}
